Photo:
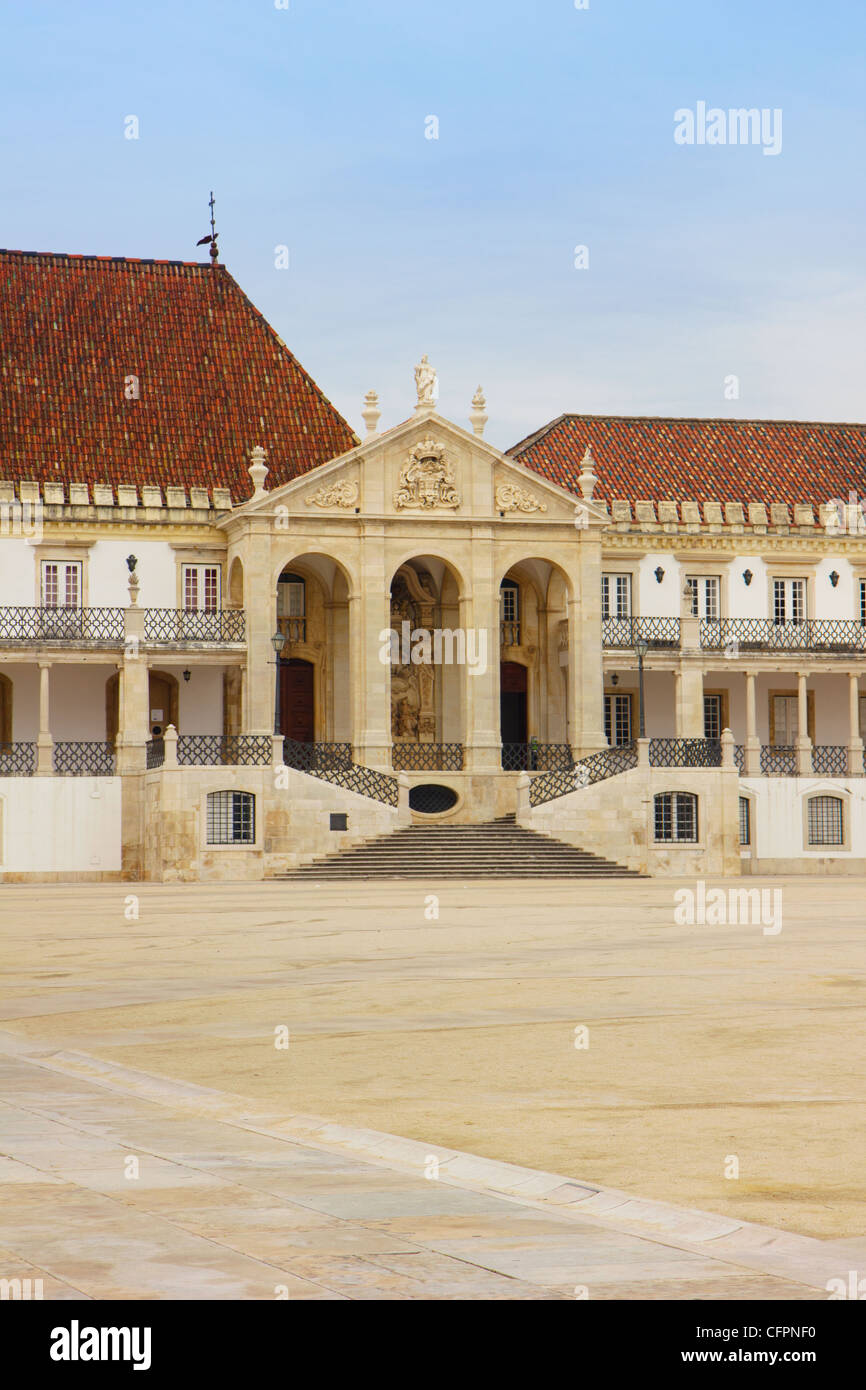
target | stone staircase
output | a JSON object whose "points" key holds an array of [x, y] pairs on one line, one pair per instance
{"points": [[493, 849]]}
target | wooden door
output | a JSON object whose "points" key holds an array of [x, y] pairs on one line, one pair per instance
{"points": [[296, 700], [512, 702]]}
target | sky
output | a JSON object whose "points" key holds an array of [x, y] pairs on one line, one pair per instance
{"points": [[432, 168]]}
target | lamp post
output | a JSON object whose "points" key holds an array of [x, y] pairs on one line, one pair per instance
{"points": [[277, 642], [641, 648]]}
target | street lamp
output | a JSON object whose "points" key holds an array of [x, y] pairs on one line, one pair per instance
{"points": [[277, 642], [641, 648]]}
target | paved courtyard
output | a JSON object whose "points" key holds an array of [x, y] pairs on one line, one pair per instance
{"points": [[275, 1090]]}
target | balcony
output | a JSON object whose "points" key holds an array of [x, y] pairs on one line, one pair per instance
{"points": [[183, 627], [509, 634], [78, 627], [293, 629], [658, 633], [834, 636]]}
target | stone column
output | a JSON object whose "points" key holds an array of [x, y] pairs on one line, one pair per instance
{"points": [[44, 741], [678, 704], [261, 620], [585, 651], [804, 743], [369, 616], [479, 615], [691, 700], [133, 712], [752, 749], [855, 742]]}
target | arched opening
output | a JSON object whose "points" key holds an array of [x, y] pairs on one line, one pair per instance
{"points": [[236, 584], [162, 703], [533, 673], [512, 703], [312, 602], [430, 653]]}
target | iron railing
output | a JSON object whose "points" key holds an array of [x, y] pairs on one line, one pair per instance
{"points": [[427, 757], [17, 759], [223, 750], [308, 757], [596, 767], [181, 626], [832, 635], [830, 760], [155, 752], [740, 756], [92, 625], [685, 752], [656, 632], [778, 760], [84, 759], [536, 757], [366, 781]]}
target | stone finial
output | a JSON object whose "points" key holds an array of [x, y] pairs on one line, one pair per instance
{"points": [[371, 412], [425, 385], [478, 414], [134, 581], [587, 479], [258, 470]]}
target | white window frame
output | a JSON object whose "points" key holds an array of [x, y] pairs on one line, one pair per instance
{"points": [[207, 585], [61, 572], [618, 587], [789, 596], [706, 594], [614, 702]]}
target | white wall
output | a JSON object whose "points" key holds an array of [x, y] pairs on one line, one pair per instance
{"points": [[108, 575], [778, 816], [200, 699], [60, 824]]}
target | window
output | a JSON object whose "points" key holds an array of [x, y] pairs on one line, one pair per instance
{"points": [[704, 596], [713, 716], [61, 584], [676, 817], [789, 601], [291, 596], [863, 602], [786, 720], [509, 612], [825, 820], [617, 720], [231, 818], [745, 821], [616, 596], [201, 588]]}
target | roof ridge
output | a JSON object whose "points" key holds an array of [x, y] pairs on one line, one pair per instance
{"points": [[110, 260], [706, 420]]}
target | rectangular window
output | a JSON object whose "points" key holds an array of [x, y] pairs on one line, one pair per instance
{"points": [[745, 821], [676, 817], [616, 596], [201, 588], [712, 716], [61, 583], [293, 600], [786, 720], [617, 720], [508, 603], [789, 601], [704, 596], [825, 821], [231, 818]]}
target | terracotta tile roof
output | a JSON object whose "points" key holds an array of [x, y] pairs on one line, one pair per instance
{"points": [[648, 458], [215, 380]]}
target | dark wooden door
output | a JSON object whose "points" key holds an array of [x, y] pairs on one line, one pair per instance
{"points": [[296, 700], [512, 702]]}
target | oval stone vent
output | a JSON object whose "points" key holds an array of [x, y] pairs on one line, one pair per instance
{"points": [[431, 799]]}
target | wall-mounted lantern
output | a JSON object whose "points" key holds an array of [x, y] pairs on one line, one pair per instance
{"points": [[659, 574], [186, 675], [834, 579], [614, 680], [747, 577]]}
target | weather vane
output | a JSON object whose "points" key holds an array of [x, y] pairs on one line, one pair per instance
{"points": [[212, 239]]}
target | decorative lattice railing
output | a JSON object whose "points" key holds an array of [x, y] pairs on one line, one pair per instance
{"points": [[76, 759], [778, 760], [596, 767], [17, 759], [537, 757], [427, 757], [61, 625], [221, 750], [656, 632], [180, 626], [763, 634], [310, 757], [155, 752], [685, 752], [830, 760]]}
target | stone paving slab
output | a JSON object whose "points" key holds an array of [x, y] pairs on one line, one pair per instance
{"points": [[232, 1201]]}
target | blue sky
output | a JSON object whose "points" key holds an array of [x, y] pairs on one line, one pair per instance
{"points": [[555, 130]]}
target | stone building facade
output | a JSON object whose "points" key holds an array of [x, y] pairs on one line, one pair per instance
{"points": [[236, 636]]}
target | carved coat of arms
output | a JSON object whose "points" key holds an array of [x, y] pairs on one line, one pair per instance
{"points": [[426, 479]]}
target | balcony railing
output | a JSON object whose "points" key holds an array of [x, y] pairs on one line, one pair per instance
{"points": [[656, 632], [427, 757], [17, 759], [831, 635], [84, 759], [778, 760], [181, 626], [597, 767], [155, 753], [537, 757], [62, 625], [293, 629], [830, 760], [332, 762], [509, 634], [221, 750], [685, 752]]}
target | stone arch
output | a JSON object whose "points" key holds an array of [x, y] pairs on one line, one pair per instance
{"points": [[318, 638], [536, 642], [427, 675]]}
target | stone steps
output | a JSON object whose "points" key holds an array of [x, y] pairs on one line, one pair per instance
{"points": [[493, 849]]}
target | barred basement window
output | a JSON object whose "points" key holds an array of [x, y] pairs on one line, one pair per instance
{"points": [[231, 818], [825, 820], [745, 821], [676, 817]]}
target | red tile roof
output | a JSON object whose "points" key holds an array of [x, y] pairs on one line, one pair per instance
{"points": [[648, 458], [214, 378]]}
